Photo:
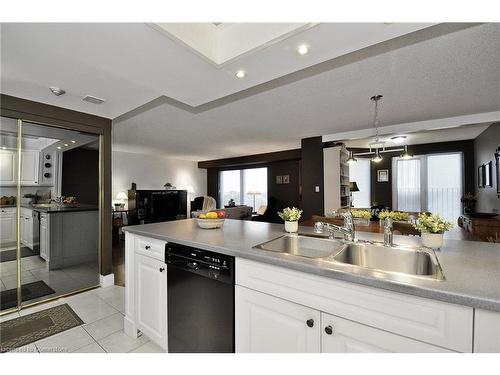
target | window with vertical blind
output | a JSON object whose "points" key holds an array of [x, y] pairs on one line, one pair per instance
{"points": [[432, 183], [245, 186]]}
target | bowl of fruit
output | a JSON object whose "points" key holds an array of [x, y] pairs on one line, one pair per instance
{"points": [[211, 220]]}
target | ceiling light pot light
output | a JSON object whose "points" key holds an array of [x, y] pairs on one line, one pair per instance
{"points": [[57, 91], [241, 74], [303, 49], [405, 155], [377, 158], [73, 141], [351, 158], [398, 139]]}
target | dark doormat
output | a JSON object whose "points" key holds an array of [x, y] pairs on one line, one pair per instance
{"points": [[22, 331], [8, 298], [8, 255]]}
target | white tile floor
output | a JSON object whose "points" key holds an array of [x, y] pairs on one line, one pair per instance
{"points": [[102, 311], [63, 280]]}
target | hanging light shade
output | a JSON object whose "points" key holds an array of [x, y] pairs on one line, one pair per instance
{"points": [[405, 155], [377, 158], [351, 158]]}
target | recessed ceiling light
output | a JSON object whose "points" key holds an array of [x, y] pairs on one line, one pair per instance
{"points": [[398, 139], [58, 147], [3, 147], [303, 49], [57, 91], [241, 74], [93, 99], [73, 141], [66, 145]]}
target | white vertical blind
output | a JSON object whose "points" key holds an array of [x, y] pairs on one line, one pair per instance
{"points": [[444, 185], [409, 185], [359, 172]]}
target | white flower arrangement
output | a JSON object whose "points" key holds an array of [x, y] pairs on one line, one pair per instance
{"points": [[361, 214], [394, 215], [290, 214], [432, 224]]}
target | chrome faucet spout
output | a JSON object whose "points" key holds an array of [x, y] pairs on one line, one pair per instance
{"points": [[347, 230], [388, 232]]}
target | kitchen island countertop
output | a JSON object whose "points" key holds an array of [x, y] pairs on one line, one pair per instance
{"points": [[471, 269]]}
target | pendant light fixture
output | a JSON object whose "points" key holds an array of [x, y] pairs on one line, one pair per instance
{"points": [[351, 159], [405, 155], [377, 158]]}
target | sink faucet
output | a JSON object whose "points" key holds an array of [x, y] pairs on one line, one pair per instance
{"points": [[347, 230], [388, 232]]}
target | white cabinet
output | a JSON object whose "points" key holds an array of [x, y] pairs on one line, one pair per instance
{"points": [[44, 236], [151, 298], [7, 226], [27, 227], [486, 331], [345, 336], [7, 167], [436, 323], [272, 325], [30, 161]]}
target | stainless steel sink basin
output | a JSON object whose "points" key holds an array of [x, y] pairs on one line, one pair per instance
{"points": [[409, 261], [303, 246]]}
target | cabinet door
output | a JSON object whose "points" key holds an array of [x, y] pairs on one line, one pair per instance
{"points": [[151, 298], [44, 237], [345, 336], [7, 167], [486, 331], [7, 228], [29, 167], [266, 324]]}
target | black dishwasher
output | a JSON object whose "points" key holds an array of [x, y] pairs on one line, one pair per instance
{"points": [[200, 295]]}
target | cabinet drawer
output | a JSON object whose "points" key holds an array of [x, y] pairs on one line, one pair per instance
{"points": [[150, 247], [438, 323], [8, 211], [344, 336]]}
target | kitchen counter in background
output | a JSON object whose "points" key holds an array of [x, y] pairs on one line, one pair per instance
{"points": [[53, 209], [472, 269]]}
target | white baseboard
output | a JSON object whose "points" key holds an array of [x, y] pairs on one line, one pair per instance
{"points": [[107, 280]]}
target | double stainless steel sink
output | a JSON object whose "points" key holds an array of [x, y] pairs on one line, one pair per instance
{"points": [[396, 262]]}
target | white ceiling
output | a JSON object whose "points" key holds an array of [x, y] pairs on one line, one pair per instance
{"points": [[130, 64], [421, 137], [435, 73]]}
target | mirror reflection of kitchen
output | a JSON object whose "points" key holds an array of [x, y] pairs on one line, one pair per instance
{"points": [[59, 214]]}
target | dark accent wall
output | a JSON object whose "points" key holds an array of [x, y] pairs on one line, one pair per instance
{"points": [[80, 175], [277, 164], [28, 110], [381, 192], [484, 149], [312, 176]]}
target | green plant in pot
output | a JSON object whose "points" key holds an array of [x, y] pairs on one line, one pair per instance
{"points": [[291, 217], [432, 228]]}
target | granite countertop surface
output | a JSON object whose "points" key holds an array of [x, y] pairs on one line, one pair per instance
{"points": [[55, 209], [471, 269]]}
